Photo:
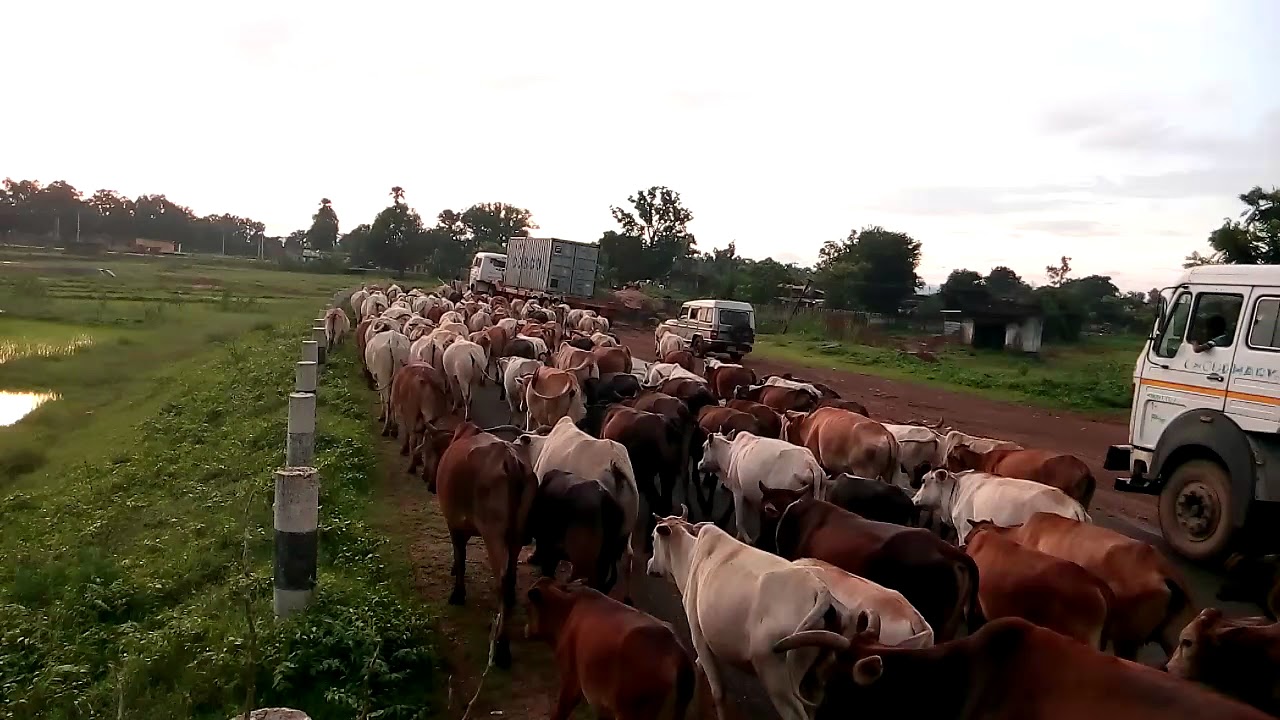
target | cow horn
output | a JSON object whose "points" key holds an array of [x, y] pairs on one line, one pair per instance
{"points": [[812, 638], [684, 512]]}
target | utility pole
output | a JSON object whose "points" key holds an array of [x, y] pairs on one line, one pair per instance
{"points": [[77, 227], [57, 228], [224, 242]]}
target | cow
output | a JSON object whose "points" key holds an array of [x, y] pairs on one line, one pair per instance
{"points": [[606, 462], [486, 490], [464, 365], [612, 388], [692, 391], [479, 321], [611, 360], [550, 395], [872, 499], [1066, 472], [415, 327], [969, 496], [1017, 581], [540, 350], [1008, 670], [580, 522], [602, 340], [919, 451], [659, 373], [714, 419], [418, 395], [955, 438], [357, 303], [935, 576], [581, 342], [336, 326], [844, 442], [626, 663], [1254, 579], [724, 378], [373, 305], [740, 602], [520, 347], [1152, 601], [747, 464], [513, 369], [686, 360], [780, 399], [670, 343], [852, 406], [770, 422], [573, 317], [1237, 657], [453, 316], [384, 354], [431, 348]]}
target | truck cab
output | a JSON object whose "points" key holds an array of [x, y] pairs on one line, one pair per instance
{"points": [[1204, 424], [487, 271]]}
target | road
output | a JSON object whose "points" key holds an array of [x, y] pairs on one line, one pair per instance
{"points": [[659, 596]]}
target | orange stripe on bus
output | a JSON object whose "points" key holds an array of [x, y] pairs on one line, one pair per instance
{"points": [[1234, 395]]}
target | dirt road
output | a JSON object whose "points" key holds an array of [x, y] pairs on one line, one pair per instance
{"points": [[895, 401]]}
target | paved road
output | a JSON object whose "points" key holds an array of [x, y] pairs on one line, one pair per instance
{"points": [[659, 597]]}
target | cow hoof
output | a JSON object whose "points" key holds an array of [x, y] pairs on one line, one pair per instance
{"points": [[458, 597]]}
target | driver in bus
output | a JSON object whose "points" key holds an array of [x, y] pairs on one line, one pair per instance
{"points": [[1218, 337]]}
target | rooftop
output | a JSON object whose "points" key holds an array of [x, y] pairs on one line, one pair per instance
{"points": [[1232, 275]]}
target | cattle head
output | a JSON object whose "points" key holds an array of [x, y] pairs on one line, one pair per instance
{"points": [[978, 527], [773, 503], [529, 447], [856, 652], [963, 458], [936, 491], [672, 545], [792, 422], [715, 452], [1253, 579], [1196, 645], [549, 601]]}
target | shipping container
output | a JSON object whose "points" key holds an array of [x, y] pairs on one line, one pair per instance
{"points": [[552, 266]]}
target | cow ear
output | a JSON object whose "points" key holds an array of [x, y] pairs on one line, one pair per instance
{"points": [[731, 434], [663, 530], [868, 670]]}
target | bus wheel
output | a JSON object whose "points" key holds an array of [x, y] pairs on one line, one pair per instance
{"points": [[1195, 510]]}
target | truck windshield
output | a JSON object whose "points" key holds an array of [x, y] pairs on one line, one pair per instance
{"points": [[735, 318], [499, 264]]}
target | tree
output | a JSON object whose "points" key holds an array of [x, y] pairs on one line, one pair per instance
{"points": [[874, 269], [661, 221], [1005, 284], [114, 213], [1252, 240], [397, 239], [760, 280], [324, 227], [354, 243], [622, 257], [490, 225], [1058, 273], [963, 287], [1195, 259], [294, 243]]}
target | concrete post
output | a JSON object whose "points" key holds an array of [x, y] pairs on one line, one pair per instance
{"points": [[297, 521], [300, 449], [317, 334], [310, 351], [304, 377]]}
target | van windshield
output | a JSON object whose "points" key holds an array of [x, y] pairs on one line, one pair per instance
{"points": [[735, 318]]}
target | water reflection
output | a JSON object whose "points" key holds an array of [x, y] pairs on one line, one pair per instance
{"points": [[10, 350], [16, 405]]}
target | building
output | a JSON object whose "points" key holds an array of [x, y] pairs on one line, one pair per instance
{"points": [[1003, 325], [154, 247]]}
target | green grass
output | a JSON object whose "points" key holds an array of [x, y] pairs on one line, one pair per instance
{"points": [[135, 516], [1091, 376]]}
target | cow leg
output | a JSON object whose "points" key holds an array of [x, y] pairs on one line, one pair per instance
{"points": [[502, 561], [779, 686], [459, 594], [624, 572], [570, 694], [715, 681]]}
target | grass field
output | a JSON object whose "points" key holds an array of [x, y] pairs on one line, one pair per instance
{"points": [[135, 547], [1093, 375]]}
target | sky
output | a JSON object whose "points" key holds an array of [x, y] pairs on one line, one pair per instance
{"points": [[995, 133]]}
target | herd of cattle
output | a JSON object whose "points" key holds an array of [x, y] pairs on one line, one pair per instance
{"points": [[868, 567]]}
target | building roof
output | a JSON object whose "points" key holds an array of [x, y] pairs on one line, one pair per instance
{"points": [[1232, 275]]}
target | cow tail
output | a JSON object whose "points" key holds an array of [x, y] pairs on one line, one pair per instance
{"points": [[967, 605], [612, 545]]}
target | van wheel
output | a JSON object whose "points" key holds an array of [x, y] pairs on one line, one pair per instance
{"points": [[1195, 510], [695, 346]]}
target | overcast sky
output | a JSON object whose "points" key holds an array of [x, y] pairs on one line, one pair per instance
{"points": [[1116, 132]]}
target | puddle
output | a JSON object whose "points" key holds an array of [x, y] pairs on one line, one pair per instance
{"points": [[16, 405]]}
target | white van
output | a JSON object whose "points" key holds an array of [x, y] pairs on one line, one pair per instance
{"points": [[487, 271], [719, 326], [1203, 429]]}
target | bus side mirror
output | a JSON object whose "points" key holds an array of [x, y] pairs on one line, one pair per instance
{"points": [[1161, 307]]}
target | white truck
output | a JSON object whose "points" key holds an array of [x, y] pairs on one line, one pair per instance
{"points": [[1204, 429], [538, 266]]}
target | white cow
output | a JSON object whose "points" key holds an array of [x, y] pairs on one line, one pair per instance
{"points": [[963, 498], [384, 354], [510, 326], [393, 292], [479, 321], [740, 601], [973, 442], [378, 325], [357, 302], [373, 305], [398, 313], [660, 372], [793, 385], [901, 625], [513, 369], [464, 363], [918, 450], [416, 326], [602, 340], [747, 463], [336, 326], [571, 450], [452, 316], [430, 348], [420, 304], [670, 343], [539, 345]]}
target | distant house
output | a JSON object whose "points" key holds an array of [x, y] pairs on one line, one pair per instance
{"points": [[154, 247], [1004, 325]]}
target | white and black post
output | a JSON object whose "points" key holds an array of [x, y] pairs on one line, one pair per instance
{"points": [[300, 448], [297, 521], [304, 377], [322, 343]]}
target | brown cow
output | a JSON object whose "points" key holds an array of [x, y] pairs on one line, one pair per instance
{"points": [[694, 393], [844, 442], [434, 312], [1016, 581], [1066, 472], [781, 399], [850, 405], [551, 394], [1237, 657], [725, 379], [418, 399], [628, 665], [686, 360], [1254, 579], [613, 359], [578, 521], [769, 422], [1152, 603], [486, 491], [715, 419], [1008, 670], [934, 576], [582, 363]]}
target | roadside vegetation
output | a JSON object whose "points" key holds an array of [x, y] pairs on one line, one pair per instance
{"points": [[1092, 375], [136, 543]]}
